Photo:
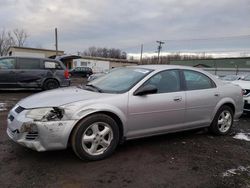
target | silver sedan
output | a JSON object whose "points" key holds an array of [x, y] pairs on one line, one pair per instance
{"points": [[127, 103]]}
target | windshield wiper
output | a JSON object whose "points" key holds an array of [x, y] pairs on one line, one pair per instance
{"points": [[95, 87]]}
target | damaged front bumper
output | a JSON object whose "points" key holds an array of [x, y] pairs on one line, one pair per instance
{"points": [[37, 135]]}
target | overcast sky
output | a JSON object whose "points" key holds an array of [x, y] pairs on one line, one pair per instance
{"points": [[126, 24]]}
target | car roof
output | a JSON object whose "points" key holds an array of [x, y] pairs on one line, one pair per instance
{"points": [[43, 58], [164, 67]]}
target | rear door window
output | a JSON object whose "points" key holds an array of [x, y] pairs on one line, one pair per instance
{"points": [[78, 69], [196, 80], [29, 63], [8, 63], [52, 65]]}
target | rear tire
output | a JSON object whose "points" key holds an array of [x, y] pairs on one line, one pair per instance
{"points": [[95, 137], [50, 84], [223, 121]]}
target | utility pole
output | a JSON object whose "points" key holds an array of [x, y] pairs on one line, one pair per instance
{"points": [[141, 53], [159, 49], [56, 40]]}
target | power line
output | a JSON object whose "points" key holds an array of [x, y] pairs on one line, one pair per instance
{"points": [[238, 50], [210, 38], [195, 39], [201, 51]]}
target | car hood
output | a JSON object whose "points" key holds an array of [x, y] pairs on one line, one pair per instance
{"points": [[243, 84], [59, 97]]}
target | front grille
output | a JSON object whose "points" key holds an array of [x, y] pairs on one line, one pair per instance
{"points": [[11, 118], [19, 109], [10, 133], [31, 135]]}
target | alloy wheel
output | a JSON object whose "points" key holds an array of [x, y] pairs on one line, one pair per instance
{"points": [[224, 121], [97, 138]]}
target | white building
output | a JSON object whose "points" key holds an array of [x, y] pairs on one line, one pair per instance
{"points": [[32, 52], [95, 65], [98, 64]]}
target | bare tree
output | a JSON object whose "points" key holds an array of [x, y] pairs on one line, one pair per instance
{"points": [[124, 55], [92, 51], [11, 38], [20, 37], [6, 41], [167, 59], [105, 52], [2, 42]]}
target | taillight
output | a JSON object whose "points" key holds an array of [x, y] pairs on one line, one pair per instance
{"points": [[66, 74]]}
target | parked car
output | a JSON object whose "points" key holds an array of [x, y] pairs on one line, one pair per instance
{"points": [[27, 72], [245, 85], [97, 75], [128, 103], [231, 77], [81, 72]]}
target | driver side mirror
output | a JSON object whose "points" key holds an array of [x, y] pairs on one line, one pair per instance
{"points": [[145, 90]]}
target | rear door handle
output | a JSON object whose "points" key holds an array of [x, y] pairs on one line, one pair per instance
{"points": [[177, 99], [216, 94]]}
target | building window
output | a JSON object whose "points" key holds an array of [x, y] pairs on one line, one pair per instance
{"points": [[83, 64]]}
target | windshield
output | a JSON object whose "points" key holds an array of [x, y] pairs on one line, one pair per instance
{"points": [[120, 80]]}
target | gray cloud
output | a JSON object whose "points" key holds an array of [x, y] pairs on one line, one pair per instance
{"points": [[128, 23]]}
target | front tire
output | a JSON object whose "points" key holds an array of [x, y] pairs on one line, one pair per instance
{"points": [[50, 84], [223, 121], [95, 137]]}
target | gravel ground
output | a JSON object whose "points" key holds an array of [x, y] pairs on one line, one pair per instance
{"points": [[187, 159]]}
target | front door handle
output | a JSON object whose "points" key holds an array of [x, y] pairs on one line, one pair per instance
{"points": [[177, 99]]}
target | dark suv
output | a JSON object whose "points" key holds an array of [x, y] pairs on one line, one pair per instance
{"points": [[26, 72], [81, 72]]}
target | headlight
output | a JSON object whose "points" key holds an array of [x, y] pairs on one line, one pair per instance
{"points": [[46, 114]]}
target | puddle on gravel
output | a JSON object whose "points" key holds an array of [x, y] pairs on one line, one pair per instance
{"points": [[242, 136], [237, 171], [3, 107]]}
